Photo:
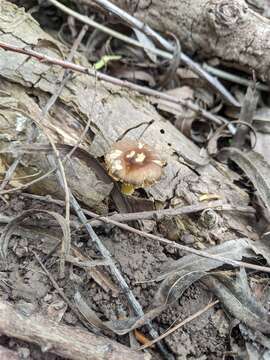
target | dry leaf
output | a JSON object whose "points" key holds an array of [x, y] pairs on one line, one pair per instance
{"points": [[256, 169]]}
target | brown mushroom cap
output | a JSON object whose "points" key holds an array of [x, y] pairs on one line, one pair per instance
{"points": [[134, 163]]}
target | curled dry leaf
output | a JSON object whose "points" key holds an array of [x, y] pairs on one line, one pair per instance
{"points": [[170, 72], [236, 297], [256, 169], [8, 231]]}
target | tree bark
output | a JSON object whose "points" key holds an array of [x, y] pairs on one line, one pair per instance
{"points": [[71, 343], [226, 29]]}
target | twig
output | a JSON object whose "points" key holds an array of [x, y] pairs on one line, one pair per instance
{"points": [[176, 245], [184, 210], [214, 83], [179, 325], [155, 214], [182, 247], [132, 21], [126, 84], [234, 78], [66, 246]]}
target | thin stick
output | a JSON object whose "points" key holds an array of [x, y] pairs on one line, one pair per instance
{"points": [[116, 273], [234, 78], [126, 84], [179, 325], [132, 21], [155, 214], [183, 247], [176, 245]]}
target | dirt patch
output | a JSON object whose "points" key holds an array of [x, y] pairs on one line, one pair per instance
{"points": [[24, 283]]}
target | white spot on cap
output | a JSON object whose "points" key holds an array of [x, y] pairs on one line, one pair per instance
{"points": [[116, 166], [115, 154], [140, 145], [140, 158], [131, 154]]}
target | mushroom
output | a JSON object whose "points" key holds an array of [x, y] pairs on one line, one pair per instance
{"points": [[135, 164]]}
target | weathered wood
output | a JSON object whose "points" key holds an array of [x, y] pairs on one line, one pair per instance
{"points": [[113, 111], [226, 29], [71, 343]]}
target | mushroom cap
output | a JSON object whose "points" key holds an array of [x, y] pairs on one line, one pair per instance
{"points": [[134, 163]]}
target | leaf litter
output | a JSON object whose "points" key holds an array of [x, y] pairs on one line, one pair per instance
{"points": [[141, 264]]}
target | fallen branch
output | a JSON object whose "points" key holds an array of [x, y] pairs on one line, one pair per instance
{"points": [[228, 30], [68, 342]]}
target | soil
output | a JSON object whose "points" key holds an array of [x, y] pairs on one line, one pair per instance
{"points": [[24, 284]]}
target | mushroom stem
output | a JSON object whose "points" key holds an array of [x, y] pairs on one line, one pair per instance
{"points": [[127, 189]]}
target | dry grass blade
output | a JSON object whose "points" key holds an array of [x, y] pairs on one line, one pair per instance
{"points": [[236, 297], [8, 231], [181, 324], [88, 313]]}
